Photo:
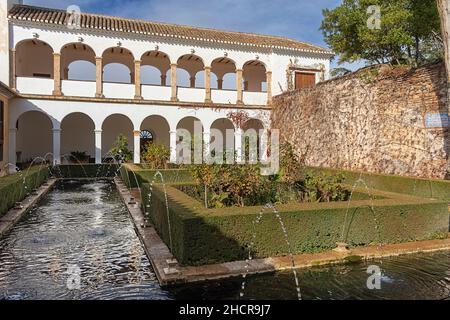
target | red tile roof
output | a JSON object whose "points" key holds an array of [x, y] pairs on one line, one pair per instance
{"points": [[116, 24]]}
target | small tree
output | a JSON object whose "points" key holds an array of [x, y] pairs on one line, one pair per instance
{"points": [[120, 150], [409, 30]]}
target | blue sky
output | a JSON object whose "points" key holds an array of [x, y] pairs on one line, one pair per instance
{"points": [[298, 19]]}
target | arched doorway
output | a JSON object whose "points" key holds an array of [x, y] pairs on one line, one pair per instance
{"points": [[34, 137], [77, 138], [190, 140], [114, 126], [222, 139]]}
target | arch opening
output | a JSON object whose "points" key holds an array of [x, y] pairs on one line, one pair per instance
{"points": [[77, 138], [30, 51], [34, 137], [255, 76]]}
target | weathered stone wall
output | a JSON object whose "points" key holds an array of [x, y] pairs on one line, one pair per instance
{"points": [[373, 120]]}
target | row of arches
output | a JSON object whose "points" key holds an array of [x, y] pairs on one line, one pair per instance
{"points": [[78, 134], [78, 62]]}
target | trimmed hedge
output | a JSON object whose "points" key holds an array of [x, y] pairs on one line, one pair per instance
{"points": [[134, 176], [14, 188], [78, 171], [202, 236], [427, 188]]}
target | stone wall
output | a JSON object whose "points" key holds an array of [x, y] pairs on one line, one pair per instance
{"points": [[373, 120]]}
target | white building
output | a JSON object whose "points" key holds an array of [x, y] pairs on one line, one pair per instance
{"points": [[74, 82]]}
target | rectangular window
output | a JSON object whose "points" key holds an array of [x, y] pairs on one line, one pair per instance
{"points": [[304, 80]]}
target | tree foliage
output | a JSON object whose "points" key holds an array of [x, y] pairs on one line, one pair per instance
{"points": [[409, 31]]}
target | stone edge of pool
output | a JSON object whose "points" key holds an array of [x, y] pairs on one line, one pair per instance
{"points": [[8, 220], [169, 273]]}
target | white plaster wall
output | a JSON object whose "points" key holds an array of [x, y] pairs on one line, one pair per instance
{"points": [[118, 90], [35, 85], [78, 88], [98, 112], [281, 60]]}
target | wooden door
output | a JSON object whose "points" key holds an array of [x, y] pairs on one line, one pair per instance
{"points": [[304, 80]]}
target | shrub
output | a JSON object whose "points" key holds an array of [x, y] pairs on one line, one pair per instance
{"points": [[156, 156], [120, 150]]}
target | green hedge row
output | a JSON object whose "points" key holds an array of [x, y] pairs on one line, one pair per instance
{"points": [[77, 171], [14, 188], [133, 177], [427, 188], [203, 236]]}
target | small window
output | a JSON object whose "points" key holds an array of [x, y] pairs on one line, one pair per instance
{"points": [[41, 75], [146, 138], [304, 80]]}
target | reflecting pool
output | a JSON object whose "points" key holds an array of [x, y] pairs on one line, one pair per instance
{"points": [[79, 243]]}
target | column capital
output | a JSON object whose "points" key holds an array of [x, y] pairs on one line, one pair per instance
{"points": [[207, 68], [174, 65], [238, 132], [98, 131], [12, 130], [56, 130], [268, 72], [239, 70], [56, 54], [98, 58], [13, 50], [137, 133], [137, 61]]}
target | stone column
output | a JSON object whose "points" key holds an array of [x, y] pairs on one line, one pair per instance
{"points": [[5, 131], [220, 84], [98, 146], [57, 74], [240, 94], [137, 79], [12, 157], [12, 74], [238, 145], [137, 146], [206, 146], [99, 77], [192, 79], [269, 87], [173, 79], [208, 85], [264, 140], [163, 80], [173, 147], [56, 146]]}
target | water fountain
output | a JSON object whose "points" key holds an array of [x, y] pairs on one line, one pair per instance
{"points": [[342, 245], [250, 255]]}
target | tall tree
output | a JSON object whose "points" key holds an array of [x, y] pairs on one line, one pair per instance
{"points": [[444, 13], [407, 31]]}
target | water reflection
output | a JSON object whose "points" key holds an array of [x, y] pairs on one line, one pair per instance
{"points": [[84, 224], [81, 224]]}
